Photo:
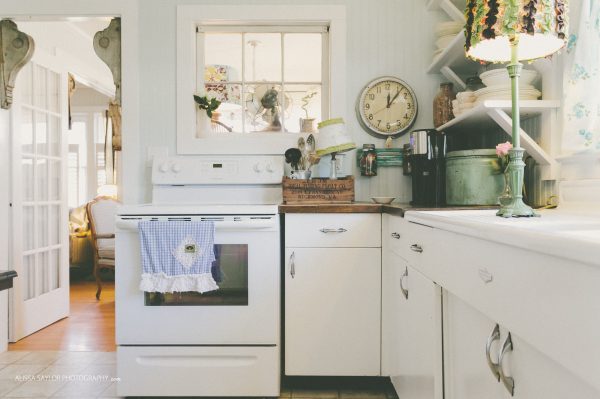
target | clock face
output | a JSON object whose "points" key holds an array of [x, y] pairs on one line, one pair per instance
{"points": [[386, 107]]}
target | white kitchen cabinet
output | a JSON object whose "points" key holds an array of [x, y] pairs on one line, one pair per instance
{"points": [[469, 373], [332, 311], [418, 373]]}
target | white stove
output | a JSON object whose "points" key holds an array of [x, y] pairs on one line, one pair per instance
{"points": [[220, 343]]}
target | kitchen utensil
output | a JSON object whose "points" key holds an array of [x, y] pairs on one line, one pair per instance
{"points": [[383, 200], [293, 156], [302, 148], [310, 144]]}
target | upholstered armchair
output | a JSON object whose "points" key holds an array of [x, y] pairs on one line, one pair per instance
{"points": [[101, 214]]}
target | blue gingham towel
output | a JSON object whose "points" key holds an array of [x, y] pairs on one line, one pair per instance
{"points": [[177, 256]]}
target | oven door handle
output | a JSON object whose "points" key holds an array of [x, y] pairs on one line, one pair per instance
{"points": [[132, 225]]}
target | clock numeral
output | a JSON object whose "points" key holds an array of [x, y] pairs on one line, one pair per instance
{"points": [[378, 122], [370, 117], [408, 105], [406, 116], [388, 127], [368, 106], [371, 96], [398, 122], [405, 96], [387, 86], [378, 89]]}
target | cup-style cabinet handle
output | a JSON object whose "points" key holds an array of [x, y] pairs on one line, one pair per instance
{"points": [[292, 264], [338, 230], [395, 235], [404, 290], [494, 336], [509, 382], [416, 248]]}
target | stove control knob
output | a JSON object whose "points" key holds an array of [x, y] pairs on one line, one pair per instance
{"points": [[258, 168], [176, 168], [164, 167], [270, 168]]}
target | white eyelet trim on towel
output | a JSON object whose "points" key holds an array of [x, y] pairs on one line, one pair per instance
{"points": [[160, 282]]}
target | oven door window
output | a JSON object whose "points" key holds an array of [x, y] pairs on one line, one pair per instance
{"points": [[230, 271]]}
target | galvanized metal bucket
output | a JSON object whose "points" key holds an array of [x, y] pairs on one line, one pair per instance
{"points": [[473, 177]]}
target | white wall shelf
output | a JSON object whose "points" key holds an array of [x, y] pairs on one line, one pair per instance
{"points": [[492, 113], [452, 62]]}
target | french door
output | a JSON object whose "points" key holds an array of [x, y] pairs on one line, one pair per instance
{"points": [[39, 198]]}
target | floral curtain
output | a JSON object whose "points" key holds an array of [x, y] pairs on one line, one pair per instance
{"points": [[581, 81]]}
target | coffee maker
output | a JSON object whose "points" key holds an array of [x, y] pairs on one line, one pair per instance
{"points": [[428, 167]]}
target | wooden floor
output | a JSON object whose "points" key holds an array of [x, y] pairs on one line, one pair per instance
{"points": [[90, 326]]}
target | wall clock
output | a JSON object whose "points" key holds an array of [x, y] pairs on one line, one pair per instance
{"points": [[386, 107]]}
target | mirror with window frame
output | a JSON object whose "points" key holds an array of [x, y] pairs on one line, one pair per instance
{"points": [[269, 79]]}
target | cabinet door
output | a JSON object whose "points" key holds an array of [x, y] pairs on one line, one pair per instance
{"points": [[466, 333], [537, 376], [332, 311], [392, 304], [418, 371]]}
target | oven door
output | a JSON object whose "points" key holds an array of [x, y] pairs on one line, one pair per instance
{"points": [[244, 310]]}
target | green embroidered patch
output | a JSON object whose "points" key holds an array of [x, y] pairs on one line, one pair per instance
{"points": [[190, 248]]}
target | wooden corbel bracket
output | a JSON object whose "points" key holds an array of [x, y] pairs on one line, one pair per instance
{"points": [[16, 49], [107, 45]]}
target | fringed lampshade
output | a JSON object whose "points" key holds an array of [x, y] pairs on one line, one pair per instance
{"points": [[514, 30], [540, 26]]}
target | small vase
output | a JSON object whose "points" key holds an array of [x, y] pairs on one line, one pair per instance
{"points": [[204, 124], [505, 197], [442, 105]]}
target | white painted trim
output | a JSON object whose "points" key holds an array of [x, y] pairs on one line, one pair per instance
{"points": [[188, 16]]}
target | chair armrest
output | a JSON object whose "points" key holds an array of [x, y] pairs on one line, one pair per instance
{"points": [[104, 236]]}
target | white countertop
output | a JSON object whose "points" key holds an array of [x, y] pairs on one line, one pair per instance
{"points": [[570, 233]]}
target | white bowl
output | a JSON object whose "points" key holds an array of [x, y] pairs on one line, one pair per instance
{"points": [[383, 200], [499, 77]]}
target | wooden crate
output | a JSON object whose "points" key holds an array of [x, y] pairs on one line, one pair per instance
{"points": [[318, 190]]}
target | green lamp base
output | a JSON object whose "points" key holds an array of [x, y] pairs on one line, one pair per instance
{"points": [[514, 206]]}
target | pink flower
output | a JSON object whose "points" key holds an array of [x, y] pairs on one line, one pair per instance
{"points": [[502, 149]]}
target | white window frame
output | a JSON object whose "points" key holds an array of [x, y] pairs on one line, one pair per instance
{"points": [[189, 17]]}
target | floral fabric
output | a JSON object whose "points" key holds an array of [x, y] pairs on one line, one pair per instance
{"points": [[581, 82]]}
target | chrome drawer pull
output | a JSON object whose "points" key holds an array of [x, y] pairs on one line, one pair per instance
{"points": [[404, 290], [395, 235], [293, 264], [509, 382], [416, 248], [338, 230], [494, 336]]}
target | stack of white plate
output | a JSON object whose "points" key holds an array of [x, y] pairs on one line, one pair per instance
{"points": [[464, 101], [498, 86], [445, 32]]}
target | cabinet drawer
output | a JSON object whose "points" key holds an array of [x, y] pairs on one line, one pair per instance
{"points": [[413, 242], [547, 301], [333, 230]]}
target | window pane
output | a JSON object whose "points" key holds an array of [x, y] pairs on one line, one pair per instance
{"points": [[302, 62], [27, 178], [41, 226], [55, 225], [222, 57], [28, 228], [55, 179], [28, 276], [263, 57], [42, 273], [41, 178], [229, 114], [26, 131], [41, 133], [305, 104], [39, 86], [54, 135], [53, 91], [73, 176], [263, 108]]}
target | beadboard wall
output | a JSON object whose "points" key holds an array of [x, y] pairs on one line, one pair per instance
{"points": [[384, 37]]}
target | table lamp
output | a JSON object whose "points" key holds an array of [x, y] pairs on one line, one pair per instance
{"points": [[513, 31], [332, 140]]}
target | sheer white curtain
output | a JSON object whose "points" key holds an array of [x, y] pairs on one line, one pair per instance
{"points": [[581, 108]]}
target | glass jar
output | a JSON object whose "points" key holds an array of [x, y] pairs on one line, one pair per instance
{"points": [[442, 105], [368, 160]]}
